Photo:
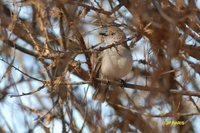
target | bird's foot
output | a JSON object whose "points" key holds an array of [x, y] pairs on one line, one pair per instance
{"points": [[123, 83]]}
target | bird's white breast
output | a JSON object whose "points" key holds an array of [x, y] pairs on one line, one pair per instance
{"points": [[116, 62]]}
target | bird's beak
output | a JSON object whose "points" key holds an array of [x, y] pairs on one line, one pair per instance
{"points": [[102, 34]]}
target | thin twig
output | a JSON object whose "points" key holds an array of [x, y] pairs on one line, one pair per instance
{"points": [[152, 115], [31, 77], [29, 93], [165, 16], [151, 89]]}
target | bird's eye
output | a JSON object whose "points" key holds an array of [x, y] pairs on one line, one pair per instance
{"points": [[112, 33]]}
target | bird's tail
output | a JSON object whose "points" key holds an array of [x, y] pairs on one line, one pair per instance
{"points": [[101, 93]]}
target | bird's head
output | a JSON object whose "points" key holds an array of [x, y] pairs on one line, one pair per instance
{"points": [[112, 35]]}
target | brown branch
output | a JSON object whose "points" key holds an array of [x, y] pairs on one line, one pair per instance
{"points": [[162, 13], [18, 29], [90, 8], [31, 77], [151, 89], [127, 85], [188, 31], [172, 115], [192, 100], [21, 49], [29, 93], [134, 118], [159, 115]]}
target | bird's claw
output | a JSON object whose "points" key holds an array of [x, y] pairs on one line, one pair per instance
{"points": [[123, 83]]}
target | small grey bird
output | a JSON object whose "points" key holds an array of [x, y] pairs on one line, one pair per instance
{"points": [[116, 62]]}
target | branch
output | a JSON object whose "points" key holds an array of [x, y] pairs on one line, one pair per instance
{"points": [[22, 71], [165, 16], [150, 89], [134, 118], [29, 93], [21, 49], [90, 8]]}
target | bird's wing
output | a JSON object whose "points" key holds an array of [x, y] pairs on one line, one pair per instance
{"points": [[100, 88]]}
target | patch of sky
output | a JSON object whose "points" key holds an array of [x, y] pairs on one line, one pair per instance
{"points": [[25, 12], [82, 88], [194, 60], [32, 100], [198, 6], [14, 114], [196, 78], [55, 127], [4, 81], [23, 44], [55, 28], [81, 58], [196, 34], [141, 51], [6, 116], [125, 18], [91, 35], [196, 123], [175, 63], [14, 102], [158, 109], [79, 121], [108, 114], [134, 129], [39, 129]]}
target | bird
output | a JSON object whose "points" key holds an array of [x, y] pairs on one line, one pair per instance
{"points": [[115, 62]]}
